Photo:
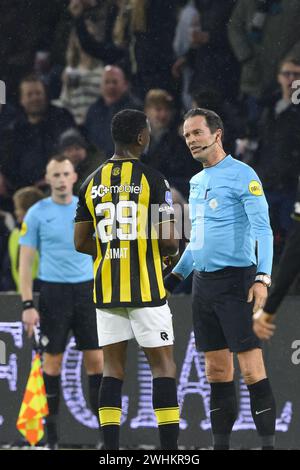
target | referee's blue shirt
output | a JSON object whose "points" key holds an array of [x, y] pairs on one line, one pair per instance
{"points": [[49, 227], [229, 215]]}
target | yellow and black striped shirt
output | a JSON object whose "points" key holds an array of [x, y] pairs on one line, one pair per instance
{"points": [[125, 199]]}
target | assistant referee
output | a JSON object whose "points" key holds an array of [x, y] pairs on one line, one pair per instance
{"points": [[229, 216], [65, 302]]}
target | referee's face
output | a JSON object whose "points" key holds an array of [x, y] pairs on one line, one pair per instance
{"points": [[197, 135], [61, 178]]}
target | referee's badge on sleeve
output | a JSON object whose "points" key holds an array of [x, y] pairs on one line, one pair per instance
{"points": [[23, 229], [255, 188]]}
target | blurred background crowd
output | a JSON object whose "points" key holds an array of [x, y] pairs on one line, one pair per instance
{"points": [[70, 65]]}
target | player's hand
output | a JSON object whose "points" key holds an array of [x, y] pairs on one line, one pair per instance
{"points": [[170, 261], [30, 318], [259, 293], [263, 324]]}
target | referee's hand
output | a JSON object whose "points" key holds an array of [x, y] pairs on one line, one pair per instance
{"points": [[259, 293], [30, 318]]}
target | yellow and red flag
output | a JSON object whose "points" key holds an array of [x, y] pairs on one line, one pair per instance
{"points": [[34, 406]]}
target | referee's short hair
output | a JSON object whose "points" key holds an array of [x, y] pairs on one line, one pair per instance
{"points": [[127, 125], [59, 157], [213, 120]]}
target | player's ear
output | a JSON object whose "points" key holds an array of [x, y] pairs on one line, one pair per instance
{"points": [[140, 139]]}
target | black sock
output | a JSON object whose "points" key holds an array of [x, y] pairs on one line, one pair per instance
{"points": [[166, 408], [110, 410], [223, 413], [263, 409], [94, 390], [52, 386]]}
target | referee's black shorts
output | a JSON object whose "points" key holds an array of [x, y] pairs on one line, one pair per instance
{"points": [[221, 315], [66, 308]]}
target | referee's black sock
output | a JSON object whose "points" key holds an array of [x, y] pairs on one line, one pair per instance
{"points": [[110, 410], [166, 408], [52, 386], [263, 410], [223, 413], [94, 390]]}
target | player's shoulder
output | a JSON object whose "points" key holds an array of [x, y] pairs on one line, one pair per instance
{"points": [[92, 176], [153, 175]]}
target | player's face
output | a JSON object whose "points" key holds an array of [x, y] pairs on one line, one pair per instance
{"points": [[198, 135], [61, 178], [33, 98]]}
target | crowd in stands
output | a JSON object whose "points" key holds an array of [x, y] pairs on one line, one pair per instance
{"points": [[70, 66]]}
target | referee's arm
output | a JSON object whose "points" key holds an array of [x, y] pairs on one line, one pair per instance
{"points": [[256, 208]]}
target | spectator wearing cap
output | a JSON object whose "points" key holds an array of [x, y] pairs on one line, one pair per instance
{"points": [[167, 151], [31, 138], [85, 158], [115, 96]]}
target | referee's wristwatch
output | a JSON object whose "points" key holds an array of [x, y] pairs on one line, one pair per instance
{"points": [[264, 279]]}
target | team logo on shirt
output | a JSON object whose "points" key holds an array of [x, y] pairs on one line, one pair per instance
{"points": [[23, 229], [116, 171], [255, 188]]}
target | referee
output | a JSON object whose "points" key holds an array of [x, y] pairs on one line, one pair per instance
{"points": [[65, 302], [129, 205], [229, 217]]}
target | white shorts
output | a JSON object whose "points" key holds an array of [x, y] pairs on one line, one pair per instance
{"points": [[150, 326]]}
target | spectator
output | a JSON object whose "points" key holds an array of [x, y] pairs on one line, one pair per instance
{"points": [[49, 73], [81, 81], [235, 125], [262, 34], [167, 151], [84, 157], [188, 22], [147, 27], [209, 54], [278, 156], [115, 96], [94, 22], [31, 139]]}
